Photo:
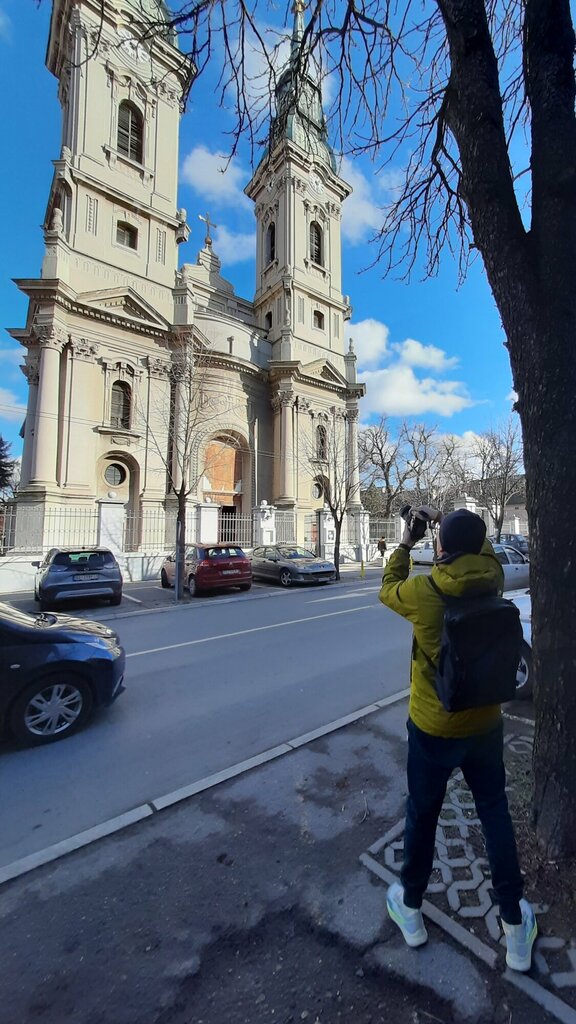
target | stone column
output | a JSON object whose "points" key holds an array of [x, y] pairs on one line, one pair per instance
{"points": [[43, 470], [31, 372], [286, 398], [264, 522], [206, 523], [353, 468], [111, 525], [80, 452]]}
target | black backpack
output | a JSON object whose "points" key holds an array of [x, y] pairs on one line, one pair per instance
{"points": [[479, 651]]}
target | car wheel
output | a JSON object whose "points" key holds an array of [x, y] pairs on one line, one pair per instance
{"points": [[192, 587], [286, 578], [44, 605], [245, 586], [164, 580], [51, 709], [117, 599], [524, 673], [36, 598]]}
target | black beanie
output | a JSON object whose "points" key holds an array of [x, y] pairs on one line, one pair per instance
{"points": [[462, 533]]}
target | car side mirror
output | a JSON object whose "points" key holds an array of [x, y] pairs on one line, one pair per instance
{"points": [[35, 564]]}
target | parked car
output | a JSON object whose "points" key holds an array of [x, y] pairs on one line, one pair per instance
{"points": [[67, 574], [524, 677], [423, 552], [514, 540], [54, 669], [210, 567], [515, 565], [290, 564]]}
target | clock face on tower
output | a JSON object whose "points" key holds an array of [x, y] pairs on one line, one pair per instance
{"points": [[316, 183], [131, 47]]}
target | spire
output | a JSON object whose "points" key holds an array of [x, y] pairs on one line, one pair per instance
{"points": [[299, 115], [298, 29]]}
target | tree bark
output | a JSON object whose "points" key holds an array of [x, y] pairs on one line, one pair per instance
{"points": [[532, 275], [181, 542]]}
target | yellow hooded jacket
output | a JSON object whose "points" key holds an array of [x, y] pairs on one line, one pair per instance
{"points": [[417, 601]]}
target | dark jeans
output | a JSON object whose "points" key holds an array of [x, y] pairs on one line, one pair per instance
{"points": [[431, 761]]}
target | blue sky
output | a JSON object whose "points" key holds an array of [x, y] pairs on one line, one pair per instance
{"points": [[428, 350]]}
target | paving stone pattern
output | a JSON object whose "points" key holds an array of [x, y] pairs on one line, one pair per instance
{"points": [[460, 884]]}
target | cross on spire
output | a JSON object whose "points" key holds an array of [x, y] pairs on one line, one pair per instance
{"points": [[209, 224]]}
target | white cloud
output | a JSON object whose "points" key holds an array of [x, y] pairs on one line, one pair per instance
{"points": [[429, 357], [397, 391], [364, 211], [214, 178], [5, 27], [512, 396], [361, 214], [12, 356], [370, 341], [233, 247], [11, 408]]}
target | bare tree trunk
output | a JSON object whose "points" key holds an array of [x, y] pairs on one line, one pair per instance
{"points": [[181, 543], [337, 534]]}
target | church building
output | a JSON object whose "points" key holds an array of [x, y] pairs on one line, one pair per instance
{"points": [[114, 316]]}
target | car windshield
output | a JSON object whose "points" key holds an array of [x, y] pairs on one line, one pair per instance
{"points": [[295, 553]]}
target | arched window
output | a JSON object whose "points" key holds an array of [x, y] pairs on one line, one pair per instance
{"points": [[63, 202], [321, 443], [318, 319], [130, 132], [316, 243], [270, 243], [121, 405], [126, 235], [268, 322]]}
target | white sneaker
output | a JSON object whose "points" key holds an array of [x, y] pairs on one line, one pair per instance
{"points": [[409, 920], [520, 939]]}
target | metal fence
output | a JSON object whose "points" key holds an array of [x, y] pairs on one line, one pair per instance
{"points": [[311, 531], [235, 528], [33, 529], [285, 527], [154, 529], [390, 529]]}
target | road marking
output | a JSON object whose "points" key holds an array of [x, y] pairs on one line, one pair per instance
{"points": [[244, 632], [128, 598], [345, 597]]}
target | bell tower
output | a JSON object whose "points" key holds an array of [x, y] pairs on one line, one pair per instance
{"points": [[298, 198], [112, 204]]}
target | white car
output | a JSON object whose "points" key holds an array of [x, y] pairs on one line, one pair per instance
{"points": [[521, 599], [423, 553], [516, 566]]}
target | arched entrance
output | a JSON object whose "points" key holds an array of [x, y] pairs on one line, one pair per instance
{"points": [[226, 481], [119, 480]]}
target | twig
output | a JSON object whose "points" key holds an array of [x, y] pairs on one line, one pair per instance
{"points": [[366, 811]]}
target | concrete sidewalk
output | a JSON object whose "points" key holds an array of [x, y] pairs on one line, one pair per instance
{"points": [[262, 900]]}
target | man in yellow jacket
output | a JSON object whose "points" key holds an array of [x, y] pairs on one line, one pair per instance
{"points": [[440, 741]]}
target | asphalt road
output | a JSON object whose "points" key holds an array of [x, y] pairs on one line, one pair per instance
{"points": [[208, 685]]}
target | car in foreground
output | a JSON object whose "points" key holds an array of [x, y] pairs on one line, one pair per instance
{"points": [[54, 670], [210, 567], [522, 600], [68, 574], [289, 564]]}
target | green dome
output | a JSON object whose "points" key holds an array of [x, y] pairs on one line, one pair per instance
{"points": [[155, 11]]}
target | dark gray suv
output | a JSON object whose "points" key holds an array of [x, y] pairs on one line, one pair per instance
{"points": [[67, 574]]}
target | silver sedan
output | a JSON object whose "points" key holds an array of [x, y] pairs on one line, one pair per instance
{"points": [[288, 564]]}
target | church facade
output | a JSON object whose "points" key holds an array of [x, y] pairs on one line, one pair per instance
{"points": [[270, 383]]}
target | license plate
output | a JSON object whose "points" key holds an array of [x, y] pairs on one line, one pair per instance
{"points": [[87, 577], [230, 572]]}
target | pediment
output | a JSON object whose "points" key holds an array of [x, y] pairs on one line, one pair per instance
{"points": [[127, 303], [324, 370]]}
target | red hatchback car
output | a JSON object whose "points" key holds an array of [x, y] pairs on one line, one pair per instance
{"points": [[211, 567]]}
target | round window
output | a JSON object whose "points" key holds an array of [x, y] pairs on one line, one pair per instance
{"points": [[317, 490], [114, 474]]}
